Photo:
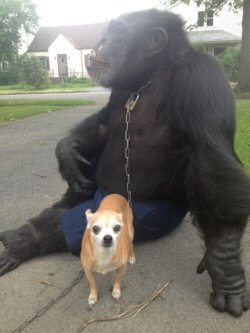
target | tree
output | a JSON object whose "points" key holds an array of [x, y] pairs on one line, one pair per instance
{"points": [[33, 72], [244, 74], [16, 17], [216, 6]]}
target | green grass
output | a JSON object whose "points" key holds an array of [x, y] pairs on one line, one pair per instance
{"points": [[242, 140], [21, 108], [60, 88], [11, 109]]}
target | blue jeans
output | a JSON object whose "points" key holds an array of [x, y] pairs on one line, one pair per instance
{"points": [[152, 219]]}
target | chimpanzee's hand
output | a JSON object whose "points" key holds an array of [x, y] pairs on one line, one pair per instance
{"points": [[9, 258], [228, 282], [72, 166]]}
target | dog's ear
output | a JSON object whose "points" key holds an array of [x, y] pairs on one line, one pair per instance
{"points": [[118, 218], [89, 217]]}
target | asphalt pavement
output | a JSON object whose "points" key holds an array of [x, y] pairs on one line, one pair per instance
{"points": [[49, 294]]}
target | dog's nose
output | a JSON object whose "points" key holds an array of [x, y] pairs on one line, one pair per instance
{"points": [[107, 239]]}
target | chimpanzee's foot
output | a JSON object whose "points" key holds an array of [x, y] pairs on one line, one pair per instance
{"points": [[10, 258], [228, 282], [234, 304]]}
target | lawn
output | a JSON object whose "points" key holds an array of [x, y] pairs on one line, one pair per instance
{"points": [[11, 109], [53, 88], [242, 139], [20, 108]]}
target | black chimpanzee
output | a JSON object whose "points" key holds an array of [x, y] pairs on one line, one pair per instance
{"points": [[181, 148]]}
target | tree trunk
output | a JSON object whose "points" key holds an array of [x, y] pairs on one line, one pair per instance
{"points": [[244, 73]]}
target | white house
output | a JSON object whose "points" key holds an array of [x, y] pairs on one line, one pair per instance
{"points": [[63, 50], [216, 31]]}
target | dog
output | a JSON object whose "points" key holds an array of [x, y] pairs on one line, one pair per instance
{"points": [[107, 243]]}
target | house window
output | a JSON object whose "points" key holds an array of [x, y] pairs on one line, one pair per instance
{"points": [[45, 62], [205, 18], [201, 19], [219, 50], [210, 18]]}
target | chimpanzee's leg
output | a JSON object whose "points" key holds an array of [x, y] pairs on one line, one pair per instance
{"points": [[43, 234], [223, 263], [219, 193]]}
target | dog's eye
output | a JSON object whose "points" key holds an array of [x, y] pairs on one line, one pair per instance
{"points": [[96, 229], [117, 228]]}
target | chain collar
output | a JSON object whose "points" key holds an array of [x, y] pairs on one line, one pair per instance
{"points": [[130, 105]]}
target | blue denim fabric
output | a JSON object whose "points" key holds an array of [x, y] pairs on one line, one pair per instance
{"points": [[152, 219]]}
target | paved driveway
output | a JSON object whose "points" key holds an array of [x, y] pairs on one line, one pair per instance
{"points": [[49, 294], [99, 94]]}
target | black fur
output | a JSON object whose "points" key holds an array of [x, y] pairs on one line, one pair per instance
{"points": [[182, 147]]}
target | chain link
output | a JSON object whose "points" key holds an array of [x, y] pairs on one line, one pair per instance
{"points": [[130, 105], [127, 153]]}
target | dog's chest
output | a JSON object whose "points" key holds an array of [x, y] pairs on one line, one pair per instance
{"points": [[104, 262]]}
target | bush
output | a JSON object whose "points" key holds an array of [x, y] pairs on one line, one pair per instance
{"points": [[11, 73], [230, 59], [8, 78], [33, 73], [200, 46]]}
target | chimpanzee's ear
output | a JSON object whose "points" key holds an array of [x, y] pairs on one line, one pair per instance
{"points": [[157, 39]]}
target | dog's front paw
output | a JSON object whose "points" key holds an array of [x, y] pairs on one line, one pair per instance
{"points": [[234, 304], [92, 299], [132, 260], [116, 293]]}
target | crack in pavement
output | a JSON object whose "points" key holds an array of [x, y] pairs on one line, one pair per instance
{"points": [[46, 307]]}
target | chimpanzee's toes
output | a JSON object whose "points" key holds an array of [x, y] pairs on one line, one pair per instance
{"points": [[7, 263], [234, 304], [9, 259]]}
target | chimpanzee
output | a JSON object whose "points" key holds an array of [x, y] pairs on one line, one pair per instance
{"points": [[180, 125]]}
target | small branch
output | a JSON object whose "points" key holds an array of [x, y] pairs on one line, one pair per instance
{"points": [[127, 313], [36, 174], [46, 283]]}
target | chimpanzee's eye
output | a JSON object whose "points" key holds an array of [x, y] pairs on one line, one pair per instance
{"points": [[117, 228], [96, 229]]}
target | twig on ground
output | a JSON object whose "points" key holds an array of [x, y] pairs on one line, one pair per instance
{"points": [[36, 174], [137, 308], [46, 283]]}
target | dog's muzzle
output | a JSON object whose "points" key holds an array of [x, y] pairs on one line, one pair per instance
{"points": [[107, 240]]}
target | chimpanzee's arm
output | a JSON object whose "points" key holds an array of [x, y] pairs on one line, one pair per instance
{"points": [[75, 151]]}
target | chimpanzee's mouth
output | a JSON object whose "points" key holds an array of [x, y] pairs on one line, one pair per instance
{"points": [[95, 63]]}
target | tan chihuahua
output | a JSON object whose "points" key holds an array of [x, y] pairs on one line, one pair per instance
{"points": [[108, 242]]}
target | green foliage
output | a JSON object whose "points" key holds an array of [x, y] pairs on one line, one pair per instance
{"points": [[10, 73], [230, 59], [33, 73], [242, 139], [215, 5], [200, 46], [16, 16], [11, 109]]}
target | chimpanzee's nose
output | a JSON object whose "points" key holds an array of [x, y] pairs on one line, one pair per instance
{"points": [[107, 240]]}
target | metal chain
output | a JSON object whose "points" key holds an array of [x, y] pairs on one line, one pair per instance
{"points": [[127, 151], [130, 105]]}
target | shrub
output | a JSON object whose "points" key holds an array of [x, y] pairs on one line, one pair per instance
{"points": [[230, 59], [10, 73], [33, 73], [200, 46]]}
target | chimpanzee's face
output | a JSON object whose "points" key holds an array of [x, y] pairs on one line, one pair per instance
{"points": [[110, 54], [125, 52]]}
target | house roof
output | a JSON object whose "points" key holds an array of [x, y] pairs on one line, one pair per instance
{"points": [[212, 36], [83, 36]]}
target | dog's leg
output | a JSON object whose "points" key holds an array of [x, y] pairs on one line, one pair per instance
{"points": [[131, 258], [116, 293], [92, 286]]}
